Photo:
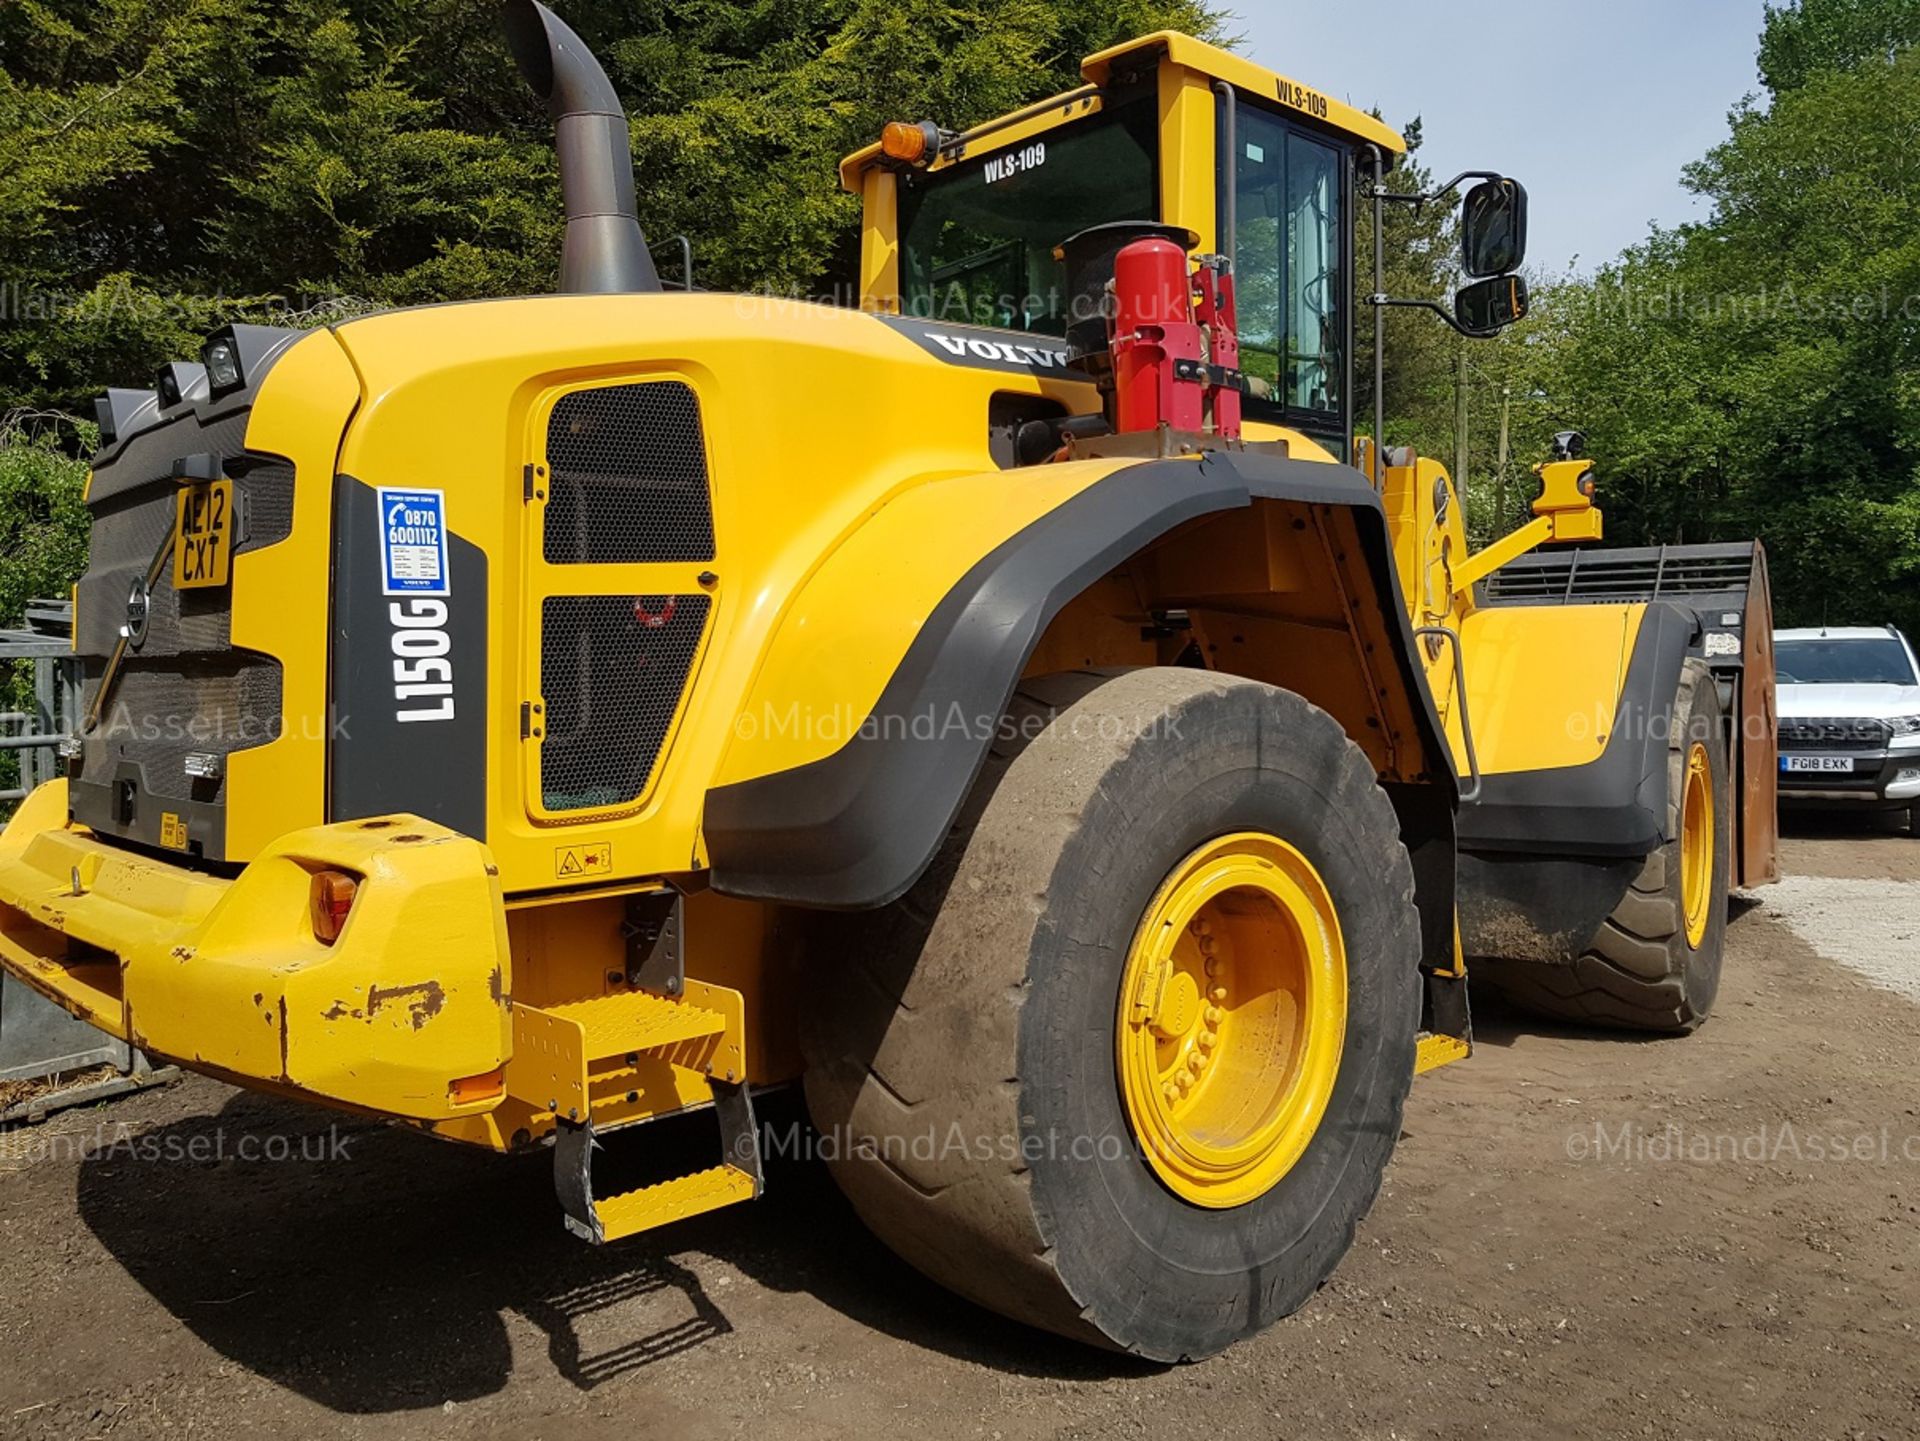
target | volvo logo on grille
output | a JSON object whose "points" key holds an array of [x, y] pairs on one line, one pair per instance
{"points": [[139, 607]]}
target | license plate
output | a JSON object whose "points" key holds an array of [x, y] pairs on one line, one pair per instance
{"points": [[1821, 765], [203, 542]]}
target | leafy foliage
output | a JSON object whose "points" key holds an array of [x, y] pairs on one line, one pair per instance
{"points": [[43, 533], [1420, 264], [1803, 39], [166, 165], [1756, 373]]}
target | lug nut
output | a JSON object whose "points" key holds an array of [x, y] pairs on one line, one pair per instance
{"points": [[1214, 1014], [1197, 1062], [1207, 1040], [1217, 994]]}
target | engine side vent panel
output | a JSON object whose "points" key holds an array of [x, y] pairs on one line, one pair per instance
{"points": [[1609, 576], [612, 670], [627, 477]]}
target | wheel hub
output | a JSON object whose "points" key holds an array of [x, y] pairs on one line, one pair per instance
{"points": [[1233, 1018], [1696, 845]]}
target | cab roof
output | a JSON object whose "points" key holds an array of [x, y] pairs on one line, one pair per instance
{"points": [[1203, 59]]}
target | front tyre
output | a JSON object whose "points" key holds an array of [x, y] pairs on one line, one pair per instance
{"points": [[1654, 965], [1129, 1061]]}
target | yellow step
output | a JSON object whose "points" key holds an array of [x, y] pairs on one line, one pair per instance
{"points": [[1432, 1051], [675, 1200], [553, 1046], [630, 1021]]}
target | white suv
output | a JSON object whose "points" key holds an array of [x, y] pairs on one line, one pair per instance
{"points": [[1849, 718]]}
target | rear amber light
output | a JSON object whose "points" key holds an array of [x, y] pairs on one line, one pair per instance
{"points": [[468, 1089], [330, 897]]}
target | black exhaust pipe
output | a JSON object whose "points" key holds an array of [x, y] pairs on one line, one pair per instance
{"points": [[605, 252]]}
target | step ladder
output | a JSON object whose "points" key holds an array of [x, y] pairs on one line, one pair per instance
{"points": [[555, 1050]]}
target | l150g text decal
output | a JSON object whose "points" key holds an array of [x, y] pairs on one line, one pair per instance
{"points": [[422, 660]]}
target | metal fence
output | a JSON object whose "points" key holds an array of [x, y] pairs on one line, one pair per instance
{"points": [[39, 1042], [34, 734]]}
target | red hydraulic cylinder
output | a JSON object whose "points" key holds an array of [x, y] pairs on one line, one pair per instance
{"points": [[1154, 330]]}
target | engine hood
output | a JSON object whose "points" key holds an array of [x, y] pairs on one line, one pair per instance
{"points": [[1863, 702]]}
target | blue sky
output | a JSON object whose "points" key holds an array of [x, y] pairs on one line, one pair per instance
{"points": [[1594, 106]]}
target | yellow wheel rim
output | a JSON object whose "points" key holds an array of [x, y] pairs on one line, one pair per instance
{"points": [[1696, 845], [1233, 1014]]}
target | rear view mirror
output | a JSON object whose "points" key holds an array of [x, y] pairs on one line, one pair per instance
{"points": [[1488, 307], [1493, 227]]}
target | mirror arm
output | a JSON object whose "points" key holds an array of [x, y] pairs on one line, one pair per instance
{"points": [[1455, 183], [1380, 192], [1383, 301]]}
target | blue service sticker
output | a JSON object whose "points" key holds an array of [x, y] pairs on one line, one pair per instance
{"points": [[413, 542]]}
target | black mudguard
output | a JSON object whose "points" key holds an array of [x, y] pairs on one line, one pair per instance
{"points": [[1547, 855], [856, 829]]}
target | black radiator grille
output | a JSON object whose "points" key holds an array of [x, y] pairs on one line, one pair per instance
{"points": [[1841, 734], [612, 669], [184, 688], [161, 711], [627, 477]]}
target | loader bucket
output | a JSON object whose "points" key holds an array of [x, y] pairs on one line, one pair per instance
{"points": [[1725, 587]]}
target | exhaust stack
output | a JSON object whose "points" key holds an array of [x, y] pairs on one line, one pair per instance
{"points": [[605, 252]]}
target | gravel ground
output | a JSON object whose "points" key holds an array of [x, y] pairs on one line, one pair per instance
{"points": [[1579, 1234], [1872, 927]]}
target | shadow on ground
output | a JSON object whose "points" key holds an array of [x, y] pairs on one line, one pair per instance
{"points": [[372, 1269], [1838, 823]]}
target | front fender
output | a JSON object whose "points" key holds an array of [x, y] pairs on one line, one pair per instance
{"points": [[848, 803]]}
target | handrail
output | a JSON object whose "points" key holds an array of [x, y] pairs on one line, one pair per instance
{"points": [[1472, 793]]}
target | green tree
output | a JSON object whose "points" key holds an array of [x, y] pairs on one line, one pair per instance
{"points": [[1426, 361], [169, 164], [1420, 260], [1804, 38], [1756, 373], [43, 534]]}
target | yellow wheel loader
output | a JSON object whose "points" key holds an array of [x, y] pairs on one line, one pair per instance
{"points": [[1018, 710]]}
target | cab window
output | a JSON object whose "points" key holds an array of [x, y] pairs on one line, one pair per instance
{"points": [[977, 239], [1290, 268]]}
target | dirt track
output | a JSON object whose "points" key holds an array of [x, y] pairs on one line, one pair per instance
{"points": [[1548, 1257]]}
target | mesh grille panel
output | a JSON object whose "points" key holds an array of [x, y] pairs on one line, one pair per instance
{"points": [[627, 476], [267, 485], [612, 668], [160, 711]]}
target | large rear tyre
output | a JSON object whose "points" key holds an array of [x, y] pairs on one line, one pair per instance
{"points": [[1655, 963], [1129, 1061]]}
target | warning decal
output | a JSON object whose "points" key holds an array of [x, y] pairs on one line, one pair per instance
{"points": [[572, 863], [413, 541]]}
